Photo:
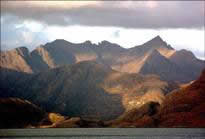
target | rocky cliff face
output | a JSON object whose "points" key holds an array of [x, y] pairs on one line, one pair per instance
{"points": [[16, 59]]}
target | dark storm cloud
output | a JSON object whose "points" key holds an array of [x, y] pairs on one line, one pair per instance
{"points": [[155, 15]]}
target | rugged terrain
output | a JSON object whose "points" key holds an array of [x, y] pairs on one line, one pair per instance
{"points": [[153, 57], [182, 108], [88, 89], [101, 85]]}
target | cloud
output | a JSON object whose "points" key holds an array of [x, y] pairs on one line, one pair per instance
{"points": [[199, 54], [15, 33], [116, 34], [128, 23], [127, 14]]}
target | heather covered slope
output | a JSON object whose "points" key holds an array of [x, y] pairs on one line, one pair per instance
{"points": [[182, 108], [185, 108], [90, 89]]}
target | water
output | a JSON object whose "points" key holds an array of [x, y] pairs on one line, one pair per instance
{"points": [[108, 137], [104, 133]]}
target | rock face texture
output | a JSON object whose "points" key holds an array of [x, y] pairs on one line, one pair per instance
{"points": [[153, 57], [16, 59]]}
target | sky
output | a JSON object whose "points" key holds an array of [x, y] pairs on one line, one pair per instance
{"points": [[128, 23]]}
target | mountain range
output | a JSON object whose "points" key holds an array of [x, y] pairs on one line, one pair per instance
{"points": [[152, 57], [101, 81]]}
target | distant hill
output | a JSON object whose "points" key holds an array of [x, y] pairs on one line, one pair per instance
{"points": [[88, 89], [182, 65]]}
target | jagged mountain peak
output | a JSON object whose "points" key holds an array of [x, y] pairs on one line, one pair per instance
{"points": [[19, 51], [157, 42], [88, 43], [23, 51], [58, 42], [162, 66], [105, 43], [157, 38], [61, 52], [185, 53]]}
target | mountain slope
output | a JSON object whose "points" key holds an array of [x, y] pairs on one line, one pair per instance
{"points": [[163, 67], [183, 108], [16, 59], [89, 89], [187, 61], [154, 44], [10, 79]]}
